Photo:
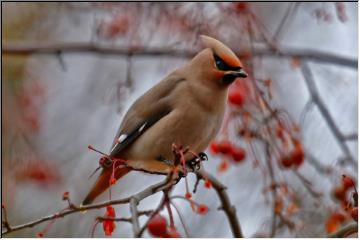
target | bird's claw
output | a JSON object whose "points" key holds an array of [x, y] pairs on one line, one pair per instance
{"points": [[195, 163]]}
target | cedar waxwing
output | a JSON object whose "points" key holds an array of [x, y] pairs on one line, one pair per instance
{"points": [[186, 108]]}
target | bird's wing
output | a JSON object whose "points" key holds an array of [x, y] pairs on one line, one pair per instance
{"points": [[145, 112]]}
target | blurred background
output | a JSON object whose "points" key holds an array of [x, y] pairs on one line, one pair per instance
{"points": [[71, 70]]}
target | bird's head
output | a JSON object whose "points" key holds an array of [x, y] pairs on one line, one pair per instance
{"points": [[218, 62]]}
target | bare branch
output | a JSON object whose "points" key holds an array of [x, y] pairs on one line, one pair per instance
{"points": [[310, 82], [290, 11], [56, 48], [139, 196], [134, 215], [226, 205], [124, 219]]}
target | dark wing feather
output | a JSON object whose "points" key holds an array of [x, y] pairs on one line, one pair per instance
{"points": [[145, 112]]}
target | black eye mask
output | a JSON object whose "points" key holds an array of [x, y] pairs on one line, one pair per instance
{"points": [[221, 65]]}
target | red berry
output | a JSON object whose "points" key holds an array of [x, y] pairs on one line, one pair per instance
{"points": [[110, 212], [286, 162], [188, 195], [157, 226], [202, 209], [224, 147], [297, 156], [238, 154], [347, 182], [241, 7], [108, 227], [40, 234], [214, 148], [354, 213], [207, 184], [339, 217], [65, 196], [236, 98]]}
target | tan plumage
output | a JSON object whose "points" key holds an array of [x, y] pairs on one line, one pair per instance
{"points": [[186, 108]]}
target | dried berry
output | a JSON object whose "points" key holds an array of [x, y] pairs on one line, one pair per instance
{"points": [[65, 196], [286, 162], [347, 182], [339, 193]]}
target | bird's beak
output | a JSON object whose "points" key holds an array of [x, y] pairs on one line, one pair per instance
{"points": [[240, 73], [230, 76]]}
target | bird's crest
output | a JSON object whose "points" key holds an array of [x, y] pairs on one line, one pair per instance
{"points": [[221, 50]]}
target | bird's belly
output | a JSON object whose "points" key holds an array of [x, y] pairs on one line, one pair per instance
{"points": [[188, 130]]}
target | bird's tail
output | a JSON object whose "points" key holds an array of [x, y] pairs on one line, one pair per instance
{"points": [[103, 183]]}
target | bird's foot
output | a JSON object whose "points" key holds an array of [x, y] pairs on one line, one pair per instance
{"points": [[195, 163]]}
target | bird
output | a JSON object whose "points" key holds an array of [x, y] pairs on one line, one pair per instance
{"points": [[186, 108]]}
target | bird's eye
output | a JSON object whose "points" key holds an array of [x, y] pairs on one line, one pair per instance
{"points": [[220, 64]]}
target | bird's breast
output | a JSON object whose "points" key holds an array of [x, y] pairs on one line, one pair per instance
{"points": [[188, 125]]}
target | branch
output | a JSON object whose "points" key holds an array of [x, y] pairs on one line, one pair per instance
{"points": [[139, 196], [123, 219], [134, 215], [345, 231], [226, 206], [56, 48], [273, 190], [314, 94]]}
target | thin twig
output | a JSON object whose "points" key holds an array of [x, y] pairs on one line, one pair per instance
{"points": [[273, 190], [351, 137], [186, 230], [307, 185]]}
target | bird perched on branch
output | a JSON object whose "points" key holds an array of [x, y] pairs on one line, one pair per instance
{"points": [[185, 108]]}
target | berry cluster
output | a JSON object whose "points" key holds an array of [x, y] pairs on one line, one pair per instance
{"points": [[295, 158], [349, 207], [236, 154]]}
